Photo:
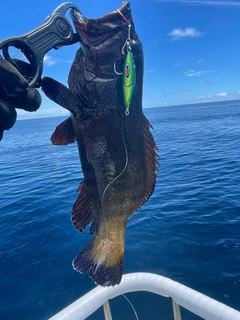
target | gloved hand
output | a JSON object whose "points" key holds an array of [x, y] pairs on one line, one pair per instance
{"points": [[11, 81]]}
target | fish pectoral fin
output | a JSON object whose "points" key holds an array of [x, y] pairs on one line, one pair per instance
{"points": [[61, 95], [64, 133], [104, 259], [83, 211]]}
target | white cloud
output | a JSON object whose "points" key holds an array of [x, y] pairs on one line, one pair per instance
{"points": [[42, 113], [207, 2], [193, 73], [222, 94], [50, 61], [216, 97], [179, 33], [150, 71], [207, 82], [200, 61]]}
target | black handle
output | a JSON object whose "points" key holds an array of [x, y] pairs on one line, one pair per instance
{"points": [[55, 32]]}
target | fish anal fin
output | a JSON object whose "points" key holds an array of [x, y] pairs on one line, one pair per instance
{"points": [[64, 133], [104, 259], [83, 210]]}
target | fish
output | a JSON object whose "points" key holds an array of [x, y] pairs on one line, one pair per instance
{"points": [[116, 147]]}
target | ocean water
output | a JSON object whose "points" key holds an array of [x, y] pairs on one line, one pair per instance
{"points": [[188, 231]]}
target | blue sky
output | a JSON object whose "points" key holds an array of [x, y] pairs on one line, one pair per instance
{"points": [[191, 47]]}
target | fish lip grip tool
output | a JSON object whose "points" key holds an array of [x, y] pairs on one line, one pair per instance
{"points": [[55, 32]]}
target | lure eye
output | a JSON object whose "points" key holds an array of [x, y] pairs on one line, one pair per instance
{"points": [[127, 70]]}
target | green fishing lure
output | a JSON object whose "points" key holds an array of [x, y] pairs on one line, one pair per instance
{"points": [[128, 80], [128, 74]]}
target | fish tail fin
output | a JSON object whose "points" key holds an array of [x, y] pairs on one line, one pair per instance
{"points": [[104, 258]]}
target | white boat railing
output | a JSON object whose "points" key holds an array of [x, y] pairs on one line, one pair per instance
{"points": [[197, 303]]}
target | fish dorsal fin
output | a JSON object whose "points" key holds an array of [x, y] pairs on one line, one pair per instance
{"points": [[64, 133], [61, 95], [83, 210], [151, 159]]}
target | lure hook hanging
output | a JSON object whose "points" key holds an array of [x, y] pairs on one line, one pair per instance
{"points": [[127, 42], [128, 73]]}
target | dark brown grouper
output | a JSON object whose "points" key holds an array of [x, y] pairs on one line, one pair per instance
{"points": [[116, 148]]}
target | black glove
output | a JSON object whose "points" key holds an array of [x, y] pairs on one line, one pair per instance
{"points": [[11, 81]]}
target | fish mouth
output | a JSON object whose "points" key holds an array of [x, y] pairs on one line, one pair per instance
{"points": [[93, 32]]}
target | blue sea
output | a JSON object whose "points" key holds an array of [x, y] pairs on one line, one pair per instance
{"points": [[188, 231]]}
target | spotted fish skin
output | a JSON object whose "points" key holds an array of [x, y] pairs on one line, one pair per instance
{"points": [[117, 151]]}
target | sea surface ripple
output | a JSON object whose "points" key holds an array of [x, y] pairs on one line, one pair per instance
{"points": [[188, 230]]}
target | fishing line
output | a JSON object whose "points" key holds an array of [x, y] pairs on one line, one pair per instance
{"points": [[134, 310], [107, 187], [132, 306]]}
